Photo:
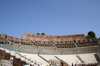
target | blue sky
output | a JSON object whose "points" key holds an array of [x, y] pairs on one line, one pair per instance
{"points": [[52, 17]]}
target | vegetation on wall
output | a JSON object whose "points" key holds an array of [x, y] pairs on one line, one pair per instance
{"points": [[40, 33], [91, 34]]}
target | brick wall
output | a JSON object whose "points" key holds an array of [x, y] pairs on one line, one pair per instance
{"points": [[46, 39], [53, 38]]}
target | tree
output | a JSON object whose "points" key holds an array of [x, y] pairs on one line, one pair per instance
{"points": [[38, 33], [91, 34], [42, 33]]}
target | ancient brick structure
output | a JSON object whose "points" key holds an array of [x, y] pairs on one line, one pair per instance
{"points": [[36, 45], [34, 37], [47, 39]]}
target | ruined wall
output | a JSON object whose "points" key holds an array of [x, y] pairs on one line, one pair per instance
{"points": [[45, 39], [13, 38], [53, 38]]}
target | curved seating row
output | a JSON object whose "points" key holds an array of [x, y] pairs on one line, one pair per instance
{"points": [[30, 58]]}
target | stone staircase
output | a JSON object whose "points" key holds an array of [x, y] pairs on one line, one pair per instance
{"points": [[81, 60]]}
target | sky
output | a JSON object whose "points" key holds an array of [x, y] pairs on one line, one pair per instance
{"points": [[52, 17]]}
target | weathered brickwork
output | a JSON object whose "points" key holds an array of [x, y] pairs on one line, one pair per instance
{"points": [[45, 39], [53, 38], [13, 38]]}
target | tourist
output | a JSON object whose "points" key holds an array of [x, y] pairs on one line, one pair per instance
{"points": [[76, 64]]}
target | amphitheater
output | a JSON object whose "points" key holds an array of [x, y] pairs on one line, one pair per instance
{"points": [[47, 50]]}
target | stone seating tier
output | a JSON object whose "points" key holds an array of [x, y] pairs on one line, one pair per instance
{"points": [[30, 58]]}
